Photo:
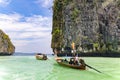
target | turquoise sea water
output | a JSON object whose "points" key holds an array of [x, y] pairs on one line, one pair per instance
{"points": [[28, 68]]}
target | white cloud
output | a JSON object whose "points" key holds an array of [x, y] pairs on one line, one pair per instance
{"points": [[28, 33], [4, 2], [45, 3]]}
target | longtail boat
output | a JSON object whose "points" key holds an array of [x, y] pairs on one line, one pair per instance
{"points": [[41, 57], [65, 63]]}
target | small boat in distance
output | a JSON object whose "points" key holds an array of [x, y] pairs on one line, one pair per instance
{"points": [[65, 63], [40, 56]]}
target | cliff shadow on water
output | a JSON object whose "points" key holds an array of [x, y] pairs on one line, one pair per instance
{"points": [[92, 54], [5, 54]]}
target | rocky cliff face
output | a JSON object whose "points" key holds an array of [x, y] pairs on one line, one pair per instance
{"points": [[6, 46], [88, 23]]}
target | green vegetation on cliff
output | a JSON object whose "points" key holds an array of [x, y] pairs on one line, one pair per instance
{"points": [[57, 35]]}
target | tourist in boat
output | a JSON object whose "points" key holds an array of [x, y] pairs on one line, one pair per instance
{"points": [[81, 61], [76, 59], [71, 61], [76, 62], [65, 60]]}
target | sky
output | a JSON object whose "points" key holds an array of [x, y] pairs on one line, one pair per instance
{"points": [[28, 24]]}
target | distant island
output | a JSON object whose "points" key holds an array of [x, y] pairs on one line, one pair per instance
{"points": [[93, 25], [6, 46]]}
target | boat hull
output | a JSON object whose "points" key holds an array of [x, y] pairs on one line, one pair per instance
{"points": [[81, 67], [40, 57]]}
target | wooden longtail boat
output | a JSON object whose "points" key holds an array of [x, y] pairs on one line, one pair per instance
{"points": [[63, 63], [41, 57]]}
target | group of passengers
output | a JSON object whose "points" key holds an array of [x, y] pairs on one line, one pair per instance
{"points": [[75, 61]]}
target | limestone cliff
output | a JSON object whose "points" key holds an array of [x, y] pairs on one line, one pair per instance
{"points": [[91, 24], [6, 46]]}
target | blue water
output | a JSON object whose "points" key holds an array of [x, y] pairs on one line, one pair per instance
{"points": [[26, 67]]}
